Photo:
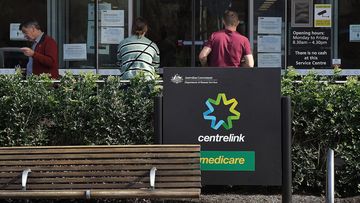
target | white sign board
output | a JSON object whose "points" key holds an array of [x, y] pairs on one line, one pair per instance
{"points": [[322, 15], [15, 33], [111, 35], [269, 60], [112, 18], [74, 52], [90, 37], [354, 32], [91, 9], [269, 25], [269, 43]]}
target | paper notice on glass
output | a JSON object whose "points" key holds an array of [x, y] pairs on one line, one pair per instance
{"points": [[15, 33], [91, 9], [269, 60], [269, 43], [354, 33], [112, 18], [104, 49], [111, 35], [90, 37], [269, 25], [75, 52]]}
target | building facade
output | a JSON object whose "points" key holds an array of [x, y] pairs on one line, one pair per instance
{"points": [[305, 34]]}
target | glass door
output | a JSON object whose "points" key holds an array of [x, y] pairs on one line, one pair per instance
{"points": [[171, 24], [209, 19], [170, 28]]}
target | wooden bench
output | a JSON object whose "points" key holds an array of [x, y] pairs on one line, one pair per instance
{"points": [[89, 172]]}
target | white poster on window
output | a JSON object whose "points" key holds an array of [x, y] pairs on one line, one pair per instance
{"points": [[75, 52], [269, 60], [91, 9], [269, 43], [269, 25], [90, 37], [15, 33], [354, 32], [112, 18], [111, 35]]}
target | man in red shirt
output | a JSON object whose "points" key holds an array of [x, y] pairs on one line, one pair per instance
{"points": [[227, 47], [43, 55]]}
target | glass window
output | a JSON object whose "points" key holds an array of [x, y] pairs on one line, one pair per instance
{"points": [[265, 11], [170, 29], [13, 13], [349, 23], [80, 29]]}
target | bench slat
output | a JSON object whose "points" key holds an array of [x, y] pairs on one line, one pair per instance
{"points": [[162, 193], [35, 174], [95, 149], [98, 156], [97, 162], [101, 167], [102, 179], [101, 186]]}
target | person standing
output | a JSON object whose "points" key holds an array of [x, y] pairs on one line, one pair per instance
{"points": [[137, 54], [43, 54], [227, 47]]}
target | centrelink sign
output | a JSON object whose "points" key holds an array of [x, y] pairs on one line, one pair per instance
{"points": [[234, 114]]}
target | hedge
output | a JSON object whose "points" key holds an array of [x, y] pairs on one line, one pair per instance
{"points": [[81, 111], [76, 111], [325, 114]]}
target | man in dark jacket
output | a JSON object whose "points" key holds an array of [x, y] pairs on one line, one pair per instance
{"points": [[43, 54]]}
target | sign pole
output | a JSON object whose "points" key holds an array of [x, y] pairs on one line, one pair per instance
{"points": [[158, 119], [286, 149]]}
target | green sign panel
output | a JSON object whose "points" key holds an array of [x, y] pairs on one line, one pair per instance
{"points": [[227, 160]]}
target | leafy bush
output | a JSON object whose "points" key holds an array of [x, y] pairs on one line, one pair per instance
{"points": [[325, 114], [76, 111]]}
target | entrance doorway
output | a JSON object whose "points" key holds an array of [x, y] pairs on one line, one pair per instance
{"points": [[171, 24]]}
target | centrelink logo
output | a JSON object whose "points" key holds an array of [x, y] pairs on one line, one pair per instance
{"points": [[215, 124]]}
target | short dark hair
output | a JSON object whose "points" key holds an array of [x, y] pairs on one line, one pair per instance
{"points": [[140, 26], [231, 18], [29, 23]]}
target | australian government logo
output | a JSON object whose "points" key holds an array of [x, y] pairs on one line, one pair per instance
{"points": [[177, 79], [194, 80]]}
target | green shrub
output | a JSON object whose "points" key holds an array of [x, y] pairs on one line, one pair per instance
{"points": [[76, 111], [325, 114]]}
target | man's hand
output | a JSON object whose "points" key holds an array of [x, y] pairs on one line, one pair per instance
{"points": [[249, 61], [27, 51], [203, 55]]}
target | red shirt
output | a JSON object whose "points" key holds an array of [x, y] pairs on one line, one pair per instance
{"points": [[45, 58], [227, 48]]}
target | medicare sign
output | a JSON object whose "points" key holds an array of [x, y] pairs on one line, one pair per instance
{"points": [[234, 114]]}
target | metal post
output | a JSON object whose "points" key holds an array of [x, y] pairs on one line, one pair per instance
{"points": [[286, 34], [330, 176], [193, 17], [96, 39], [286, 149], [158, 119]]}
